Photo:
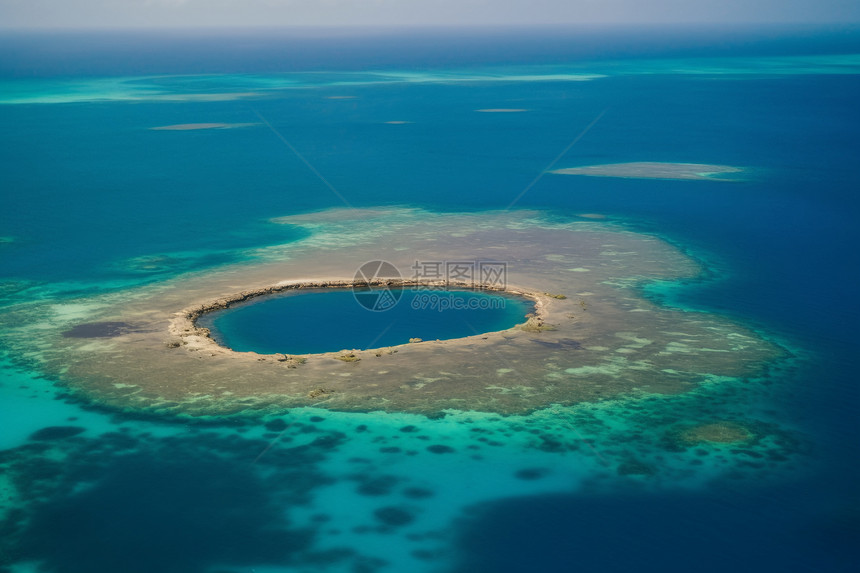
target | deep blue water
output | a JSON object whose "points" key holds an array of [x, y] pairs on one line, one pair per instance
{"points": [[92, 199], [329, 321]]}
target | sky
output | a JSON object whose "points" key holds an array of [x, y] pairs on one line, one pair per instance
{"points": [[241, 13]]}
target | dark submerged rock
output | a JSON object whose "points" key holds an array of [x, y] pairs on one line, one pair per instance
{"points": [[393, 516], [99, 330], [440, 449], [55, 433]]}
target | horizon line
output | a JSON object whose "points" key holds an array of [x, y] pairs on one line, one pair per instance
{"points": [[842, 25]]}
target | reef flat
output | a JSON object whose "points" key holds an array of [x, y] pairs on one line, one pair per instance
{"points": [[654, 170], [593, 335]]}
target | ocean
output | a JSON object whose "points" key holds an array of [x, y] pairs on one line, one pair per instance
{"points": [[97, 206]]}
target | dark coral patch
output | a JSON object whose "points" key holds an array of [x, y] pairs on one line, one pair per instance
{"points": [[170, 505], [418, 493], [440, 449], [637, 468], [56, 433], [530, 474], [393, 516], [99, 330], [376, 486], [276, 425], [563, 343]]}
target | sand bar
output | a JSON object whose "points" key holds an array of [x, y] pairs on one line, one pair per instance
{"points": [[654, 170]]}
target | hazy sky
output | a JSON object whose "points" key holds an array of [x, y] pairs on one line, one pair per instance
{"points": [[182, 13]]}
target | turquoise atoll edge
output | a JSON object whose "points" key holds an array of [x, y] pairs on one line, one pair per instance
{"points": [[329, 320]]}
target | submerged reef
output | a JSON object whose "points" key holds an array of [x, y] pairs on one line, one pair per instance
{"points": [[299, 484], [592, 336], [58, 495], [98, 330], [654, 170], [716, 432], [739, 435]]}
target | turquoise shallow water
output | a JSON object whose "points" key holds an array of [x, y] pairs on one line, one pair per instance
{"points": [[94, 201], [329, 321]]}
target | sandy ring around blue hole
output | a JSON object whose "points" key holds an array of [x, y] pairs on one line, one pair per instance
{"points": [[603, 339], [186, 326]]}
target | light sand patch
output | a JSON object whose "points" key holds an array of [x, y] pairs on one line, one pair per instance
{"points": [[73, 311], [398, 122], [501, 110], [654, 170]]}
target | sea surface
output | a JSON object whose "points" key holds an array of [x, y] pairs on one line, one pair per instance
{"points": [[94, 201]]}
